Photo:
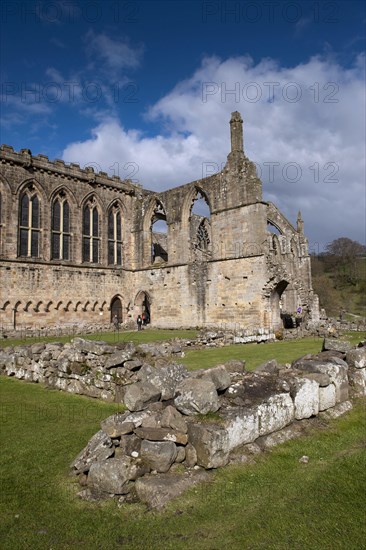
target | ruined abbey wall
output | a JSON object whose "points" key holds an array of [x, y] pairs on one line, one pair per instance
{"points": [[80, 247]]}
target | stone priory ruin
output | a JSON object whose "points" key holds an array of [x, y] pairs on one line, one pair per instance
{"points": [[82, 248]]}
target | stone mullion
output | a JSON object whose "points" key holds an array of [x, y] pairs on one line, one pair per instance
{"points": [[29, 240], [61, 252], [91, 235], [115, 238]]}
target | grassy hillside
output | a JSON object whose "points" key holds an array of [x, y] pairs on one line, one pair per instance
{"points": [[340, 285]]}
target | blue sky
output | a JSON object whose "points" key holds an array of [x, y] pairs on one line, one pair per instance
{"points": [[145, 89]]}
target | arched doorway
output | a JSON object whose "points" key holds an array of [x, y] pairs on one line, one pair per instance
{"points": [[143, 305], [276, 305], [116, 310]]}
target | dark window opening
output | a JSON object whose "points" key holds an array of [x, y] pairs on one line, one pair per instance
{"points": [[30, 224], [159, 235], [61, 238], [114, 237], [91, 233]]}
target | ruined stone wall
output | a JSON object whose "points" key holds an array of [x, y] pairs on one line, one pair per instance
{"points": [[19, 170], [231, 268], [44, 295], [166, 423], [108, 372], [211, 293], [43, 291]]}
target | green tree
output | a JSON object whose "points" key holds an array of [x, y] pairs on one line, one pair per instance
{"points": [[345, 254], [329, 298], [345, 248]]}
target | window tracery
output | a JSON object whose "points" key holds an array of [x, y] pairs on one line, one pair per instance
{"points": [[91, 232], [60, 228], [30, 223], [115, 235]]}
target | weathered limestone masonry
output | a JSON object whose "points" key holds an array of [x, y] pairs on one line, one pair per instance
{"points": [[81, 247], [165, 441]]}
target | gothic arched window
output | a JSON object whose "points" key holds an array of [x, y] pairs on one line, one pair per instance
{"points": [[200, 226], [61, 237], [115, 236], [30, 224], [159, 234], [91, 232]]}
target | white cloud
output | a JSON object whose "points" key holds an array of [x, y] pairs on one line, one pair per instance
{"points": [[301, 25], [57, 42], [55, 75], [116, 54], [24, 109], [311, 115], [93, 89]]}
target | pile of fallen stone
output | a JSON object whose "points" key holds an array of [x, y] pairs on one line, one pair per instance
{"points": [[335, 327], [181, 424], [211, 337], [23, 332], [86, 367]]}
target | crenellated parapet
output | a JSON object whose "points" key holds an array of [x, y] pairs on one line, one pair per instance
{"points": [[41, 164]]}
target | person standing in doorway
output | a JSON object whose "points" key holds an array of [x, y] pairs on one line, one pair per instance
{"points": [[139, 322]]}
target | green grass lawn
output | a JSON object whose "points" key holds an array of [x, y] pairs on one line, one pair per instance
{"points": [[278, 503], [255, 354]]}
